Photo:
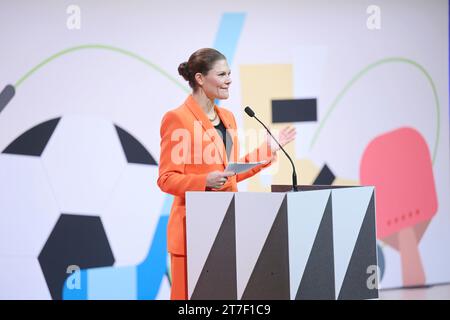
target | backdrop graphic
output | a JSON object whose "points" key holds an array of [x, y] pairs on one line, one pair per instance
{"points": [[80, 113]]}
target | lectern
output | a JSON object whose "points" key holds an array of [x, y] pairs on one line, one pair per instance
{"points": [[318, 243]]}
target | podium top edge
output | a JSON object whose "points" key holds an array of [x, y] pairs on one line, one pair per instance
{"points": [[288, 189]]}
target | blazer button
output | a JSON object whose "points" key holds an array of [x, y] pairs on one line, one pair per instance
{"points": [[213, 138]]}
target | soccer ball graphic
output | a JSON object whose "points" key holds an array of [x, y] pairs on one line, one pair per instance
{"points": [[77, 191]]}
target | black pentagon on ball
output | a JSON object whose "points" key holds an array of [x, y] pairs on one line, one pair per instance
{"points": [[75, 240], [33, 141], [134, 151]]}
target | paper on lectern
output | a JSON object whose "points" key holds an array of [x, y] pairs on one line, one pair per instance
{"points": [[237, 167]]}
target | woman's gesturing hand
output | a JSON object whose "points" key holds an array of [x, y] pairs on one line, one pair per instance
{"points": [[217, 179], [286, 135]]}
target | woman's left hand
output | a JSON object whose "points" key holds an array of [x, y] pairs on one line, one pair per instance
{"points": [[286, 135]]}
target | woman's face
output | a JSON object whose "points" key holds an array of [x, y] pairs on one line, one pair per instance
{"points": [[216, 83]]}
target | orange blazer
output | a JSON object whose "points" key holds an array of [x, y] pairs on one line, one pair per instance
{"points": [[182, 164]]}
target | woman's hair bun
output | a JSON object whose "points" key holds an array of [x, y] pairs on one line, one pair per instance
{"points": [[183, 70]]}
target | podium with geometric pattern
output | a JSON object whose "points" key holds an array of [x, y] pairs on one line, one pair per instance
{"points": [[318, 243]]}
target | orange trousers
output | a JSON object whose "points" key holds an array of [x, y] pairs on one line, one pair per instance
{"points": [[178, 268]]}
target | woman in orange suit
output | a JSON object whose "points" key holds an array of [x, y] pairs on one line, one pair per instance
{"points": [[198, 139]]}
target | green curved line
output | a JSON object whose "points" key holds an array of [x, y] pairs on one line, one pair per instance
{"points": [[101, 47], [363, 72]]}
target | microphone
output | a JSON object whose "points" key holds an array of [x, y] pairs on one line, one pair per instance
{"points": [[251, 114]]}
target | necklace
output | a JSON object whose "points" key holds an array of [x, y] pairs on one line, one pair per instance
{"points": [[215, 117]]}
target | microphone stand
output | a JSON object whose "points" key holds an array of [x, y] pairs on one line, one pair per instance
{"points": [[294, 174]]}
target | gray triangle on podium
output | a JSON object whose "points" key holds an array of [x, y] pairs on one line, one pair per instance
{"points": [[318, 278], [357, 283], [270, 276], [217, 279]]}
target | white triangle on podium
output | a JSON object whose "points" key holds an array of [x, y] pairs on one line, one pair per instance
{"points": [[349, 209], [305, 212], [204, 216]]}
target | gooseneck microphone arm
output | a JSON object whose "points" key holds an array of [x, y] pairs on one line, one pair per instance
{"points": [[251, 114]]}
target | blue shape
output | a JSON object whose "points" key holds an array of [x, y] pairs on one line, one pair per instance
{"points": [[167, 205], [76, 293], [227, 37], [166, 211], [152, 270], [110, 283]]}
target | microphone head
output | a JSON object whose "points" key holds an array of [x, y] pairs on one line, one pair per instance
{"points": [[249, 111]]}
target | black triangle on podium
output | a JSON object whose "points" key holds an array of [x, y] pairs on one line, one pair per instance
{"points": [[318, 278], [355, 284], [218, 277], [270, 277]]}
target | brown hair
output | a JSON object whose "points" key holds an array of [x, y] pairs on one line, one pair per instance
{"points": [[201, 61]]}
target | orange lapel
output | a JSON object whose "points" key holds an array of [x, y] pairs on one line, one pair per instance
{"points": [[208, 127]]}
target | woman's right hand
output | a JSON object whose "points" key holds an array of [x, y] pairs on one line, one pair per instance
{"points": [[217, 179]]}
